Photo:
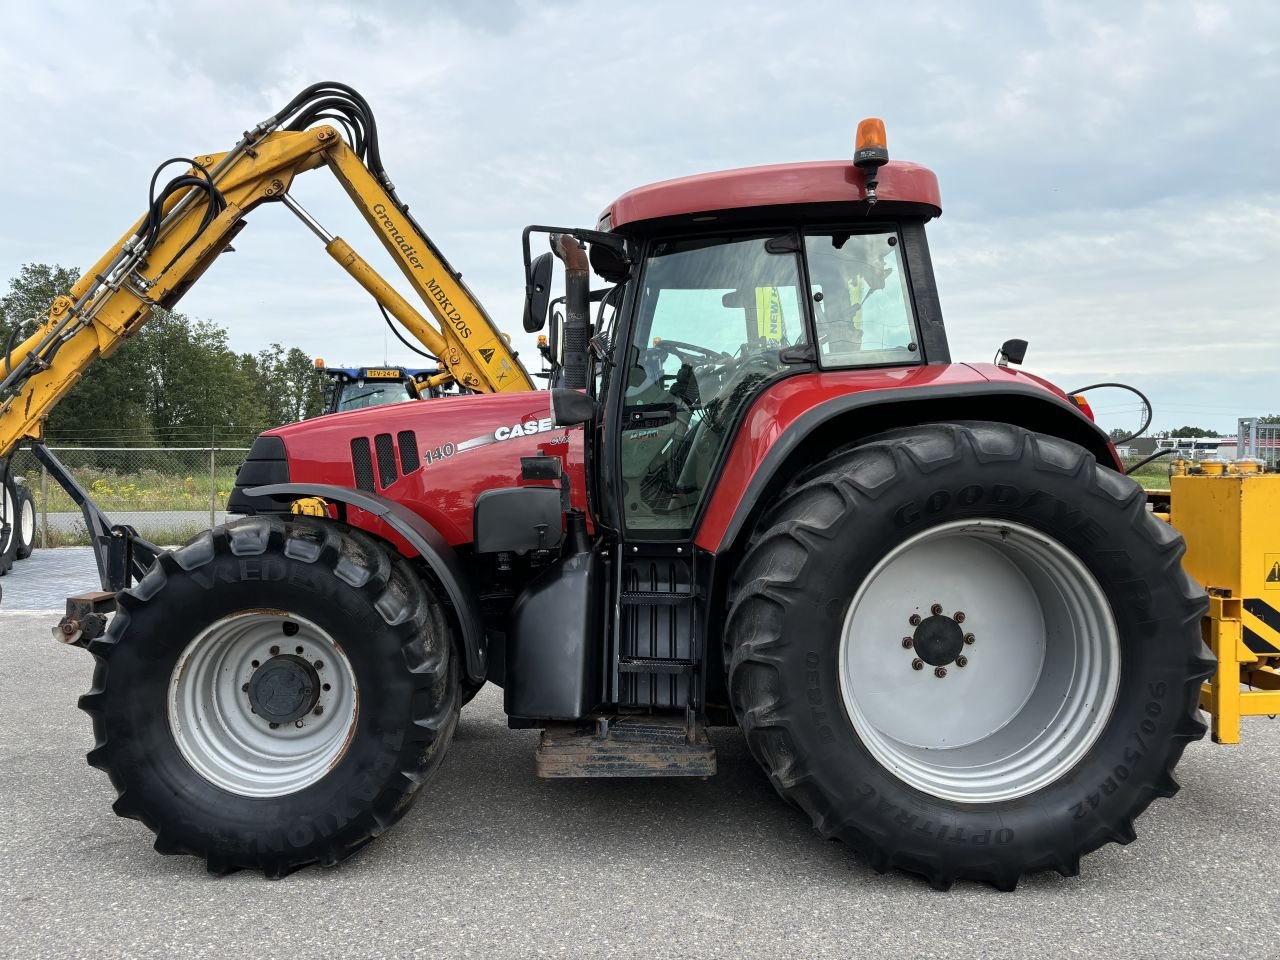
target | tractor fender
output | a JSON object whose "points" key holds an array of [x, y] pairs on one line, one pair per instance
{"points": [[425, 539], [847, 420]]}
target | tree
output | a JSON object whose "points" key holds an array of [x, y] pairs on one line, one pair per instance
{"points": [[197, 385], [290, 383], [1270, 418], [1119, 435], [1189, 432]]}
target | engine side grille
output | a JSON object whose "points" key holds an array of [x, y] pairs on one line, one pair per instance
{"points": [[362, 462], [387, 473], [408, 441]]}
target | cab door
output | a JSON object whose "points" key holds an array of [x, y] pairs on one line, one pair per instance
{"points": [[715, 319]]}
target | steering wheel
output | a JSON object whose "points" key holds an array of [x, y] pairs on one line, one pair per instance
{"points": [[691, 353]]}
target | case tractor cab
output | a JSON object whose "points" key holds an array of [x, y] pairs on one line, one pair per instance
{"points": [[761, 493]]}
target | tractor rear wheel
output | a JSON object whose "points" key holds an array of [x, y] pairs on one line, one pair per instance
{"points": [[25, 523], [273, 694], [967, 650]]}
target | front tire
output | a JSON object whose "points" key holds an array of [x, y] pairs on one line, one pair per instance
{"points": [[273, 694], [968, 651]]}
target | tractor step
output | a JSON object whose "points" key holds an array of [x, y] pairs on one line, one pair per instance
{"points": [[657, 598], [625, 747], [654, 665]]}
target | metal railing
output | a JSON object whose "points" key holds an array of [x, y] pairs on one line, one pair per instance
{"points": [[167, 494], [1260, 440]]}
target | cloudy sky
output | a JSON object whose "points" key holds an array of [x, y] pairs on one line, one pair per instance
{"points": [[1108, 170]]}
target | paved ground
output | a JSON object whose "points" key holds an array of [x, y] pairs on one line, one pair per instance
{"points": [[45, 579], [494, 862]]}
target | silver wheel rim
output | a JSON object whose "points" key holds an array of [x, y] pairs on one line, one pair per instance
{"points": [[211, 715], [28, 523], [1041, 652]]}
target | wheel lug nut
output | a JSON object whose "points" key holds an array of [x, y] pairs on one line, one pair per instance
{"points": [[906, 643], [298, 724], [969, 638], [936, 609], [244, 688], [914, 620], [319, 664], [962, 661], [318, 710], [275, 651], [273, 725], [939, 672], [917, 664], [959, 616]]}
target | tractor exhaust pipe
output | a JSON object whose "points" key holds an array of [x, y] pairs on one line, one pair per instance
{"points": [[577, 308]]}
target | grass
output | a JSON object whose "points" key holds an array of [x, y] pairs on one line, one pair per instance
{"points": [[1154, 476], [146, 490], [167, 536]]}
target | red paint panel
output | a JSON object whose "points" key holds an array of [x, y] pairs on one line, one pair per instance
{"points": [[452, 473], [784, 403], [825, 181]]}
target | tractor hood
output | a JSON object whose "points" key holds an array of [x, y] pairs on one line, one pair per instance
{"points": [[434, 456]]}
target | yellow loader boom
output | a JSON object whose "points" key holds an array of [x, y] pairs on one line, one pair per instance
{"points": [[194, 218]]}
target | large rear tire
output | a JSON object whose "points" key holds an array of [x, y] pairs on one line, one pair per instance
{"points": [[25, 525], [968, 651], [273, 694], [8, 525]]}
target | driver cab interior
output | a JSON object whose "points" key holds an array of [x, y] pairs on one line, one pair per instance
{"points": [[717, 318]]}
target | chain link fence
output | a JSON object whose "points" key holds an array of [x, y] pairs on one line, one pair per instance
{"points": [[167, 494]]}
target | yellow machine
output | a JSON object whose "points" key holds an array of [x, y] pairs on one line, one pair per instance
{"points": [[193, 219], [1229, 514]]}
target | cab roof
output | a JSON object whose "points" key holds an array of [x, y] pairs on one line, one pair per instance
{"points": [[907, 186]]}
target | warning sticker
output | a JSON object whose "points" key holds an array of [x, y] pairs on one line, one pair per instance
{"points": [[1272, 580]]}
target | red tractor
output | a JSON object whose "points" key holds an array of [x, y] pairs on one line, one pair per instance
{"points": [[760, 492]]}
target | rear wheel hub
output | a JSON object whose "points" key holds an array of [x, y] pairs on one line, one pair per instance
{"points": [[938, 640]]}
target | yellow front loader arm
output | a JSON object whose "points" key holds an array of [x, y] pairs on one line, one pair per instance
{"points": [[169, 248]]}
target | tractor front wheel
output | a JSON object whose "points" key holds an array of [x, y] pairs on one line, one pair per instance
{"points": [[967, 650], [273, 694]]}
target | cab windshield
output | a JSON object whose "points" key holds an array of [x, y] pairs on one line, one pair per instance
{"points": [[359, 396]]}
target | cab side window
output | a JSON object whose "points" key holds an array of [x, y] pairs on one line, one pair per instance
{"points": [[862, 313]]}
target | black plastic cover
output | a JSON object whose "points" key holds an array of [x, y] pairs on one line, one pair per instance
{"points": [[518, 519], [554, 647], [265, 464]]}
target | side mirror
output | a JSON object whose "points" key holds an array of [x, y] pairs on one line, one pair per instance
{"points": [[537, 293], [571, 407], [1011, 351]]}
